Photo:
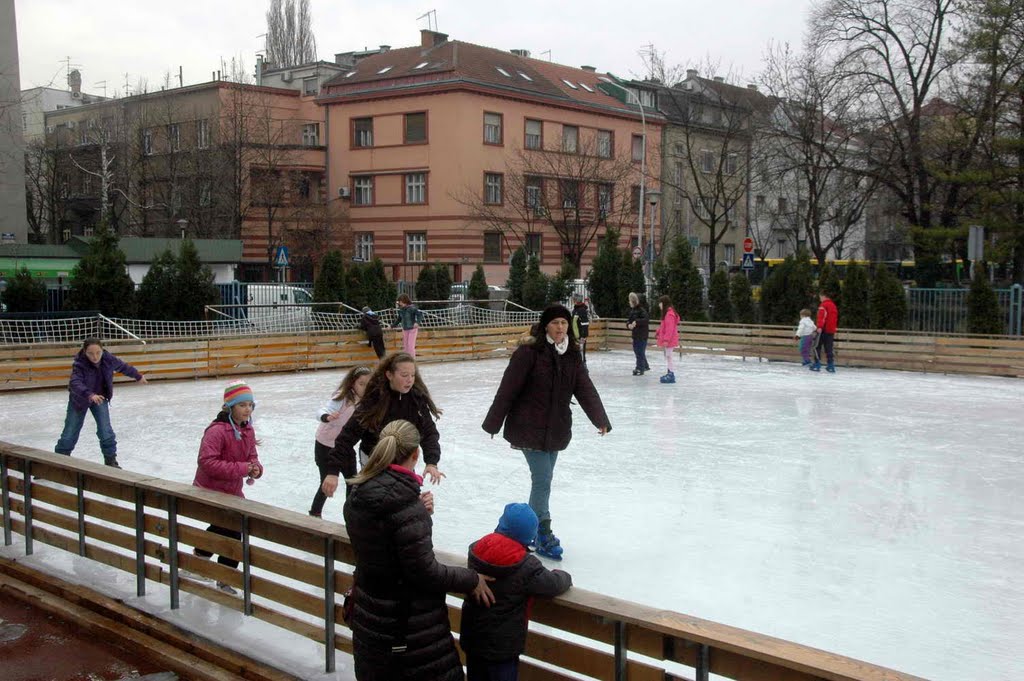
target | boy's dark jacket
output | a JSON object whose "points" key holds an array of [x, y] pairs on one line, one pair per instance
{"points": [[498, 633]]}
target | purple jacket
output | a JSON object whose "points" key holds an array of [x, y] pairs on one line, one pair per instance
{"points": [[224, 460], [88, 379]]}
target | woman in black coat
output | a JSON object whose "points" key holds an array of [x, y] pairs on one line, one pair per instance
{"points": [[638, 324], [400, 627], [541, 379]]}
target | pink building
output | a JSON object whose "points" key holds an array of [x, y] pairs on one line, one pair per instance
{"points": [[449, 152]]}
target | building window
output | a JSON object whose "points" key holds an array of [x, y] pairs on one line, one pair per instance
{"points": [[801, 208], [310, 86], [604, 199], [311, 134], [704, 254], [634, 198], [707, 161], [677, 173], [364, 246], [416, 127], [534, 134], [648, 99], [604, 143], [535, 194], [203, 134], [759, 203], [493, 189], [363, 132], [532, 244], [416, 188], [638, 148], [147, 142], [732, 163], [570, 191], [570, 138], [783, 205], [730, 253], [416, 247], [703, 208], [173, 137], [206, 193], [304, 188], [363, 194], [492, 247], [492, 128]]}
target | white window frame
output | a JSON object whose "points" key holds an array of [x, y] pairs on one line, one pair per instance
{"points": [[362, 139], [529, 239], [534, 140], [147, 142], [570, 133], [535, 196], [707, 161], [362, 190], [637, 148], [416, 247], [306, 89], [493, 124], [202, 134], [604, 199], [604, 143], [494, 189], [173, 137], [730, 253], [364, 246], [732, 163], [416, 188], [310, 134]]}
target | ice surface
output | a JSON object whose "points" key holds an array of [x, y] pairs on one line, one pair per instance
{"points": [[875, 514]]}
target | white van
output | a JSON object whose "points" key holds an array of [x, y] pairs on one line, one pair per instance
{"points": [[277, 305]]}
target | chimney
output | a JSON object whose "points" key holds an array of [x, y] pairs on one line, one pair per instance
{"points": [[384, 48], [752, 86], [719, 79], [521, 53], [589, 69], [430, 39], [691, 74]]}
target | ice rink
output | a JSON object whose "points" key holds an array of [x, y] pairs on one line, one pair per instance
{"points": [[874, 514]]}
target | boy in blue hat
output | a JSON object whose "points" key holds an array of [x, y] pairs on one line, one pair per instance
{"points": [[493, 638]]}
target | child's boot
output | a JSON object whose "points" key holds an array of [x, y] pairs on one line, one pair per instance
{"points": [[670, 377], [547, 543], [815, 367], [831, 368], [111, 461]]}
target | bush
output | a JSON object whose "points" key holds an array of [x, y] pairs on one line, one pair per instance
{"points": [[983, 313], [603, 280], [156, 296], [718, 297], [100, 280], [829, 284], [535, 288], [194, 284], [368, 286], [631, 280], [559, 288], [516, 276], [788, 289], [742, 301], [434, 283], [331, 285], [477, 289], [888, 301], [25, 294], [677, 277], [856, 309]]}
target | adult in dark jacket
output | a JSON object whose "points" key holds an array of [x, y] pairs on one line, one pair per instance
{"points": [[494, 638], [581, 324], [400, 627], [541, 379], [637, 323], [370, 323], [91, 388], [395, 391]]}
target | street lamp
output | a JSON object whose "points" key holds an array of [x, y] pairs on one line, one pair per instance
{"points": [[182, 225], [652, 197]]}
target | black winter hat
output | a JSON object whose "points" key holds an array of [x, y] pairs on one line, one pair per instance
{"points": [[554, 312]]}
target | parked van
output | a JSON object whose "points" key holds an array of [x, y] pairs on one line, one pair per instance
{"points": [[277, 305]]}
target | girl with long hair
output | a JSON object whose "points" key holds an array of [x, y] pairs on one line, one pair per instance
{"points": [[668, 336], [333, 417]]}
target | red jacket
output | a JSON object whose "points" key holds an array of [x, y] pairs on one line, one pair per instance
{"points": [[828, 316], [224, 460]]}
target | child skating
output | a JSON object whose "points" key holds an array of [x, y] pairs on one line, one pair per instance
{"points": [[333, 417], [805, 335], [667, 336], [409, 318]]}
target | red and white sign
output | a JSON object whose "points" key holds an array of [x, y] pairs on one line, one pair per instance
{"points": [[748, 245]]}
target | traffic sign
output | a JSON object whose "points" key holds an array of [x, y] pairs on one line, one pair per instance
{"points": [[281, 257], [748, 245], [748, 262]]}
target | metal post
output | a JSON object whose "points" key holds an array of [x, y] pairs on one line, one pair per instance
{"points": [[6, 496], [703, 669], [172, 547], [620, 651], [1016, 309], [246, 569], [80, 484], [140, 542], [329, 651], [27, 478]]}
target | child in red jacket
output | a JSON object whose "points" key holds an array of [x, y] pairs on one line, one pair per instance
{"points": [[493, 638], [827, 323]]}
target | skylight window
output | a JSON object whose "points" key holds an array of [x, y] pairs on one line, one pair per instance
{"points": [[503, 72], [572, 85], [385, 69], [524, 75], [586, 87], [420, 66], [350, 74]]}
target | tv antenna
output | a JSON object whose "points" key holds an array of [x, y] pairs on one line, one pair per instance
{"points": [[66, 61], [547, 52], [102, 84], [431, 24]]}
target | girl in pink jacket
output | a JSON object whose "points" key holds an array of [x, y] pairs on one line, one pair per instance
{"points": [[227, 457], [333, 417], [668, 336]]}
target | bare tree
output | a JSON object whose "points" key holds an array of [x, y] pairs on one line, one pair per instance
{"points": [[290, 39]]}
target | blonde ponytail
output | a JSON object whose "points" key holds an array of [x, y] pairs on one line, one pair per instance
{"points": [[397, 441]]}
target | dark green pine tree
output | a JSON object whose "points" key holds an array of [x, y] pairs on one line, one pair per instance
{"points": [[603, 279], [157, 297], [477, 289], [631, 280], [535, 288], [983, 313], [426, 287], [718, 297], [379, 291], [558, 287], [195, 287], [742, 301], [856, 310], [357, 287], [788, 289], [25, 294], [100, 280], [888, 301], [678, 278], [516, 276], [330, 285], [829, 283], [442, 282]]}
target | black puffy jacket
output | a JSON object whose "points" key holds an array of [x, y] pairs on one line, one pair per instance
{"points": [[399, 585], [534, 395], [639, 315]]}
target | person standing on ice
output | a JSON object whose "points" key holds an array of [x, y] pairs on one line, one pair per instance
{"points": [[637, 323], [333, 417], [395, 391], [827, 324], [91, 388], [667, 336], [581, 324], [409, 318], [805, 335], [545, 372]]}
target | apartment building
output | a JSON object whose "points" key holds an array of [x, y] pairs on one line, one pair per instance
{"points": [[454, 153]]}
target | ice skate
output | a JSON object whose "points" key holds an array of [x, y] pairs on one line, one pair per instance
{"points": [[227, 588], [548, 546], [670, 377], [815, 367]]}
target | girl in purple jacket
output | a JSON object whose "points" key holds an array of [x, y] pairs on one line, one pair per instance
{"points": [[227, 457], [91, 388]]}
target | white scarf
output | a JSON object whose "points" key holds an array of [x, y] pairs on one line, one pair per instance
{"points": [[560, 348]]}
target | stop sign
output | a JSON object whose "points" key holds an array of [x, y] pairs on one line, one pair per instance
{"points": [[748, 245]]}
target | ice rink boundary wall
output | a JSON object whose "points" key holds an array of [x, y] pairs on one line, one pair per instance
{"points": [[295, 568]]}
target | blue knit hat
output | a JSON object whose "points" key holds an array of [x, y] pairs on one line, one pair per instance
{"points": [[518, 522]]}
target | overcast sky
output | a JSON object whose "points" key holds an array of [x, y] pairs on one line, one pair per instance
{"points": [[145, 39]]}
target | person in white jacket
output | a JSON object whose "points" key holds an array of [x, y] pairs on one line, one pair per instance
{"points": [[333, 416], [805, 335]]}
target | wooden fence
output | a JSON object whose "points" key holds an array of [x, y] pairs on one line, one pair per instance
{"points": [[908, 350], [294, 567]]}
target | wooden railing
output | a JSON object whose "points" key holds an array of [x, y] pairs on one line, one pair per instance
{"points": [[294, 567], [908, 350]]}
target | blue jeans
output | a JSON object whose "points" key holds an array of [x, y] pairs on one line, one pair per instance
{"points": [[640, 350], [542, 469], [73, 422]]}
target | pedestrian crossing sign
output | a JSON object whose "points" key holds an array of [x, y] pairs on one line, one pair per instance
{"points": [[281, 257]]}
